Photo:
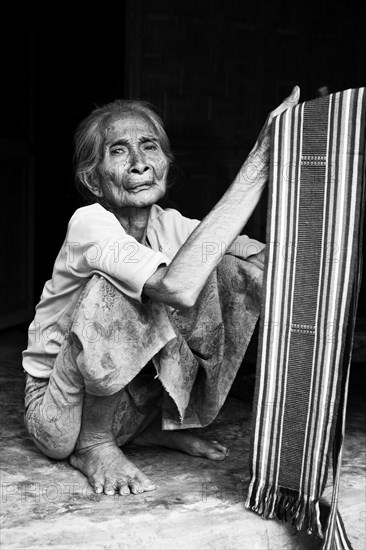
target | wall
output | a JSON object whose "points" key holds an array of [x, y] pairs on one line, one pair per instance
{"points": [[216, 68]]}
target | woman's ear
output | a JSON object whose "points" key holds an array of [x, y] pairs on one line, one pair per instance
{"points": [[92, 183]]}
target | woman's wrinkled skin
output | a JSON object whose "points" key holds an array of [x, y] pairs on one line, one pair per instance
{"points": [[132, 175]]}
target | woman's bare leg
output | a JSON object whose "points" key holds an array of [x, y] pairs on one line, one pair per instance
{"points": [[53, 407], [108, 470]]}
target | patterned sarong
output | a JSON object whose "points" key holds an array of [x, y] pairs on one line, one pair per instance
{"points": [[196, 352], [312, 278]]}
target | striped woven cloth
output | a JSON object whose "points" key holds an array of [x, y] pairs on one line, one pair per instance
{"points": [[311, 284]]}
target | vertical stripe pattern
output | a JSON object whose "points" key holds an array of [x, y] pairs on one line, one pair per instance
{"points": [[311, 275]]}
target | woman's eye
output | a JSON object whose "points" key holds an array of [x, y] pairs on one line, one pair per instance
{"points": [[117, 151], [150, 147]]}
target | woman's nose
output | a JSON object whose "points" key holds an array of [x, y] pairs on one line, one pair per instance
{"points": [[137, 163]]}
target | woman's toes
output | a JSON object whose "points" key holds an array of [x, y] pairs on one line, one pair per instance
{"points": [[135, 487], [222, 449], [98, 487], [123, 488], [215, 454], [216, 451], [145, 482], [97, 483], [109, 487]]}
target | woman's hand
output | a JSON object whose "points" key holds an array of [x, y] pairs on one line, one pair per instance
{"points": [[181, 282], [257, 164]]}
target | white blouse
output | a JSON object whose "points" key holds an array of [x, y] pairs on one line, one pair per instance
{"points": [[97, 243]]}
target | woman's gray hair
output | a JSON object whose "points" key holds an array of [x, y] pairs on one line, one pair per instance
{"points": [[89, 138]]}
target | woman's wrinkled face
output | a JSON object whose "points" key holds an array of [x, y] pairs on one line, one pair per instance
{"points": [[134, 168]]}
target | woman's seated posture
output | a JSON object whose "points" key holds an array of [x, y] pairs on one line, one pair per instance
{"points": [[121, 326]]}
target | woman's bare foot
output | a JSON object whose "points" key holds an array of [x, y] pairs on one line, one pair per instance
{"points": [[97, 455], [109, 471], [181, 440]]}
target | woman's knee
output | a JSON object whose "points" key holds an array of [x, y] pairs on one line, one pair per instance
{"points": [[52, 438]]}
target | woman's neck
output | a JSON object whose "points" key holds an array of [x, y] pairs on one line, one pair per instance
{"points": [[134, 221]]}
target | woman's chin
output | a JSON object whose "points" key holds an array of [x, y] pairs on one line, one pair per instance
{"points": [[143, 198]]}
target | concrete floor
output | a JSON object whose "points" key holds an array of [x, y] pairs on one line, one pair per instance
{"points": [[198, 503]]}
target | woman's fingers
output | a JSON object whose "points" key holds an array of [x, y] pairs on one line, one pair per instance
{"points": [[290, 101], [257, 163], [263, 140]]}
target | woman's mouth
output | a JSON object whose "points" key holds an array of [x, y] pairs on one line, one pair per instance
{"points": [[140, 187]]}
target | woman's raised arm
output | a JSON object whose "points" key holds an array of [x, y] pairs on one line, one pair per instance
{"points": [[181, 282]]}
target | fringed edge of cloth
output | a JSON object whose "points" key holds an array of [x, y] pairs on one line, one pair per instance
{"points": [[271, 501]]}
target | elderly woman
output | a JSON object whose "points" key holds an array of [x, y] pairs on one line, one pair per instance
{"points": [[128, 263]]}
